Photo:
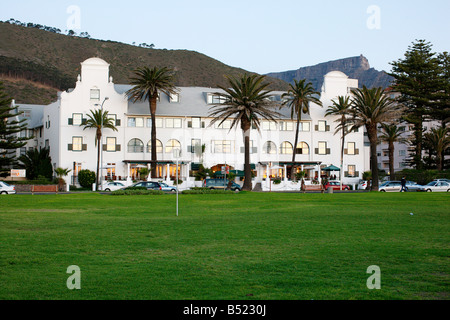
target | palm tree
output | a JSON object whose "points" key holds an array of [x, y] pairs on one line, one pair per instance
{"points": [[298, 98], [341, 108], [371, 107], [391, 133], [61, 172], [439, 139], [98, 120], [148, 83], [246, 101]]}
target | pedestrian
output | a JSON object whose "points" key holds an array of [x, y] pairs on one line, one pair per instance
{"points": [[403, 181]]}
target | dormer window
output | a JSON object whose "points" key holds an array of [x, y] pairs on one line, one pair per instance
{"points": [[174, 97], [215, 99], [95, 94]]}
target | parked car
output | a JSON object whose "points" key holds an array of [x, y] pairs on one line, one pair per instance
{"points": [[166, 187], [390, 186], [220, 184], [336, 185], [412, 186], [113, 186], [446, 180], [436, 186], [6, 188], [362, 185], [149, 185]]}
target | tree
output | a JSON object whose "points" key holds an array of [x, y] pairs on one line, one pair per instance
{"points": [[61, 172], [37, 163], [99, 120], [371, 107], [298, 99], [86, 178], [342, 109], [147, 85], [440, 109], [439, 139], [10, 127], [246, 102], [391, 133], [417, 79]]}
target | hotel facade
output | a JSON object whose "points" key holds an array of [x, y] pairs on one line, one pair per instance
{"points": [[183, 123]]}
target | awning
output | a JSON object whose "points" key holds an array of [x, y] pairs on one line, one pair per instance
{"points": [[331, 168]]}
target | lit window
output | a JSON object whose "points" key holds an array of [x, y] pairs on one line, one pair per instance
{"points": [[110, 144], [159, 146], [351, 148], [286, 148], [322, 125], [269, 125], [302, 148], [173, 123], [305, 127], [351, 170], [322, 147], [270, 148], [77, 144], [286, 126], [172, 144], [222, 146]]}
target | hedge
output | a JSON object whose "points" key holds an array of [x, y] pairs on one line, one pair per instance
{"points": [[136, 192]]}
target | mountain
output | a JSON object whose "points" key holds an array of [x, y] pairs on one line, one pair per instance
{"points": [[354, 67], [35, 64]]}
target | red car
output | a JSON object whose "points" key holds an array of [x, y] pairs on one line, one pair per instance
{"points": [[336, 186]]}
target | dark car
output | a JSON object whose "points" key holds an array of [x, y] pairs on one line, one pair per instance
{"points": [[220, 184], [149, 185]]}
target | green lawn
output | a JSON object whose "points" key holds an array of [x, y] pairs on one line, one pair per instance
{"points": [[262, 246]]}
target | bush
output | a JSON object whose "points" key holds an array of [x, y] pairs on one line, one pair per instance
{"points": [[136, 192], [422, 176], [206, 191], [86, 178]]}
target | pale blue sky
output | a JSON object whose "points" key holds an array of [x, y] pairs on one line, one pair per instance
{"points": [[257, 35]]}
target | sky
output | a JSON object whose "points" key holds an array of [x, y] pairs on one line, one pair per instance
{"points": [[257, 35]]}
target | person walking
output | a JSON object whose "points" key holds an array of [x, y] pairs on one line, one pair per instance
{"points": [[403, 181]]}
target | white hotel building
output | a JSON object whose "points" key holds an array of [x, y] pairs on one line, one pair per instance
{"points": [[183, 122]]}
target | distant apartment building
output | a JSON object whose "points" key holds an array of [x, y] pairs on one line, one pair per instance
{"points": [[183, 122]]}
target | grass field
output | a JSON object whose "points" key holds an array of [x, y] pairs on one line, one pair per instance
{"points": [[263, 246]]}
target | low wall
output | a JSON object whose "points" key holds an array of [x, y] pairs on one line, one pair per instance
{"points": [[36, 188]]}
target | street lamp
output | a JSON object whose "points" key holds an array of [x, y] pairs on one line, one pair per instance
{"points": [[101, 145]]}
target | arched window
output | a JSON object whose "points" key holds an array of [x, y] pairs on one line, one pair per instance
{"points": [[302, 148], [135, 146], [172, 144], [286, 148], [270, 148], [159, 146]]}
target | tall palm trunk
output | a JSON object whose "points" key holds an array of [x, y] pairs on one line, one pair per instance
{"points": [[372, 134], [99, 138], [152, 102], [245, 125], [293, 178], [391, 161]]}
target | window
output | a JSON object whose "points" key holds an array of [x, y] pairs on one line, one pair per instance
{"points": [[159, 122], [269, 125], [304, 126], [216, 99], [322, 125], [111, 144], [302, 148], [174, 97], [135, 146], [269, 148], [77, 119], [322, 148], [222, 146], [159, 146], [351, 170], [95, 94], [196, 146], [402, 153], [77, 143], [286, 148], [225, 125], [286, 126], [195, 123], [172, 144], [23, 151], [173, 123], [351, 148], [135, 122]]}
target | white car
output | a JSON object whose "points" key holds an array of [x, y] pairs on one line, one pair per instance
{"points": [[362, 185], [113, 186], [6, 188], [436, 186]]}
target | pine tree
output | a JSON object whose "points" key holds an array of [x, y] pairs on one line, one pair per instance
{"points": [[10, 127]]}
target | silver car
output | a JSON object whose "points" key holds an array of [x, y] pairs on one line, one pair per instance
{"points": [[436, 186], [390, 186], [6, 188]]}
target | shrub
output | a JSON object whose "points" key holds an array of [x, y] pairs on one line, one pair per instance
{"points": [[422, 176], [206, 191], [86, 178]]}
